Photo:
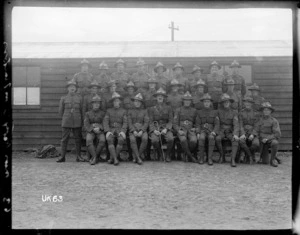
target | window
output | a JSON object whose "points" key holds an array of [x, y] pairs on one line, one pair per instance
{"points": [[26, 86]]}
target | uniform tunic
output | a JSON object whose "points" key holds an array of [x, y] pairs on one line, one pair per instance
{"points": [[248, 119], [184, 119], [258, 100], [103, 80], [115, 120], [239, 86], [237, 103], [92, 120], [140, 80], [268, 128], [163, 115], [83, 81], [87, 103], [185, 84], [207, 121], [198, 104], [150, 100], [162, 82], [229, 123], [174, 100], [214, 86], [138, 120], [121, 78], [128, 103]]}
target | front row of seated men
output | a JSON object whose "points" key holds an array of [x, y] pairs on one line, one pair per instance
{"points": [[247, 130]]}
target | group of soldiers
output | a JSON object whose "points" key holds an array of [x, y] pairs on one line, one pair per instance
{"points": [[156, 112]]}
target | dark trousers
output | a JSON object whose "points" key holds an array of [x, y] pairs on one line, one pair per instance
{"points": [[65, 139]]}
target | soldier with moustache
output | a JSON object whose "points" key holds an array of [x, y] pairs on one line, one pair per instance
{"points": [[93, 123], [140, 77], [207, 128], [162, 80], [184, 121], [200, 90]]}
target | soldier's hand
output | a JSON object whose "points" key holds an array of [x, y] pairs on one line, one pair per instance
{"points": [[122, 134], [164, 131], [140, 133], [198, 136], [108, 134], [251, 137], [156, 132], [235, 137], [135, 133], [264, 141], [193, 129], [243, 137], [96, 130], [213, 133], [181, 132]]}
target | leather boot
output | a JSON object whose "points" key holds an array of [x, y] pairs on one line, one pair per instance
{"points": [[265, 154], [249, 155], [200, 155], [220, 148], [142, 149], [135, 152], [92, 152], [209, 154], [99, 149], [79, 158], [234, 149], [168, 152], [112, 154], [273, 161], [63, 153], [118, 150]]}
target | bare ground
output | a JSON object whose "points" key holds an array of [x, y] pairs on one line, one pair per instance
{"points": [[155, 195]]}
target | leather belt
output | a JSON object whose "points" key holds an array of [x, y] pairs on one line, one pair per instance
{"points": [[187, 122]]}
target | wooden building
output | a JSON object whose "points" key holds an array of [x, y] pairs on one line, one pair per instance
{"points": [[40, 71]]}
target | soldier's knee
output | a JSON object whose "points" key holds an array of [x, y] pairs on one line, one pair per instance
{"points": [[144, 137], [211, 138], [169, 136], [182, 138], [218, 139], [193, 140], [202, 138], [274, 143], [110, 140], [255, 143], [132, 138], [234, 143], [154, 139], [102, 139], [120, 140]]}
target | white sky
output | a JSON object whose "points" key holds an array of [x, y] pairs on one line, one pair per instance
{"points": [[32, 24]]}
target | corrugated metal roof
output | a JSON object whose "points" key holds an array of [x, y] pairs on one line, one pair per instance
{"points": [[152, 49]]}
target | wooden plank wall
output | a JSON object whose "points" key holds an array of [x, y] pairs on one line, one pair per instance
{"points": [[36, 127]]}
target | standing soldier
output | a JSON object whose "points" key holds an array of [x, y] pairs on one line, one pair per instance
{"points": [[138, 121], [257, 98], [214, 83], [112, 87], [175, 98], [240, 86], [160, 124], [120, 76], [237, 103], [70, 109], [93, 125], [197, 75], [115, 127], [269, 133], [200, 87], [184, 120], [207, 126], [248, 135], [131, 89], [178, 75], [162, 80], [83, 78], [103, 78], [141, 76], [150, 100], [229, 128]]}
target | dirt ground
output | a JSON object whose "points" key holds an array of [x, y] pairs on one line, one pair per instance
{"points": [[156, 195]]}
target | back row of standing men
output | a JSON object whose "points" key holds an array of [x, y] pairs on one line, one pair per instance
{"points": [[141, 86]]}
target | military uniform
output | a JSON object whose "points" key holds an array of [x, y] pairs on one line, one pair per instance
{"points": [[70, 109], [103, 78], [229, 127], [258, 100], [248, 119], [161, 117], [93, 124], [183, 81], [138, 120], [237, 102], [184, 120], [128, 102], [268, 128], [122, 78], [198, 95], [174, 99], [207, 127], [115, 122], [193, 82], [162, 80]]}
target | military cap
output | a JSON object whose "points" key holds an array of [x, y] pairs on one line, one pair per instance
{"points": [[268, 105], [178, 65], [225, 97], [138, 97], [130, 84], [152, 80], [174, 82], [229, 82], [94, 83], [140, 62], [200, 82], [254, 87], [206, 97], [103, 66], [116, 95], [214, 63], [96, 98], [197, 68], [71, 82], [120, 61], [235, 64], [160, 91], [248, 98], [112, 82], [85, 61], [187, 96], [160, 64]]}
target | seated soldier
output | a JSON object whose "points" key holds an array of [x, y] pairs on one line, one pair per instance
{"points": [[93, 125], [184, 120], [269, 133], [248, 136], [138, 121], [160, 125], [200, 87], [174, 98], [207, 127], [229, 128], [115, 127], [150, 100], [131, 89]]}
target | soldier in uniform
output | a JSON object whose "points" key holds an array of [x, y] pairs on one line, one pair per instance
{"points": [[248, 135], [115, 126], [120, 76], [201, 88], [112, 87], [150, 100], [70, 109], [237, 103], [141, 77], [214, 83], [229, 128], [240, 86], [138, 121], [162, 80], [197, 75], [207, 127], [269, 133], [83, 78], [174, 98], [93, 125], [160, 124], [103, 78], [131, 89], [184, 120], [257, 98], [178, 75]]}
